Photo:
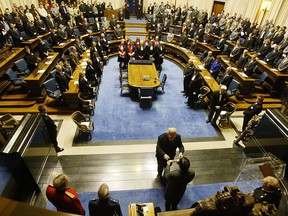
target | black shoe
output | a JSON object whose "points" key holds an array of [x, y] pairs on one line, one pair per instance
{"points": [[182, 91], [186, 102], [214, 124], [207, 121], [59, 149]]}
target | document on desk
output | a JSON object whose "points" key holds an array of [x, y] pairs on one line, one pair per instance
{"points": [[263, 62], [243, 74], [84, 63], [49, 57], [227, 61], [207, 77], [85, 123], [76, 82], [201, 67], [234, 68], [61, 44], [40, 71], [48, 62]]}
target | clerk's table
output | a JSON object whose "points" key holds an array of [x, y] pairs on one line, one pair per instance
{"points": [[146, 208], [143, 75]]}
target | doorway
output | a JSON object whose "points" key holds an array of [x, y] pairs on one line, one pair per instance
{"points": [[218, 7]]}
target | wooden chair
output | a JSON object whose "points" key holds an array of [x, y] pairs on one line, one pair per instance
{"points": [[203, 92], [87, 104], [84, 123], [145, 96], [227, 110]]}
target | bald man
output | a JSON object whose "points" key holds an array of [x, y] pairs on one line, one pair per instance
{"points": [[166, 148]]}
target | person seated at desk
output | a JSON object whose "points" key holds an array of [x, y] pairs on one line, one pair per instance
{"points": [[85, 86], [269, 192], [283, 66], [242, 60], [31, 60], [272, 57], [194, 88], [62, 79], [104, 205], [264, 49], [208, 60], [183, 40], [118, 32], [236, 51], [62, 34], [250, 65], [215, 67]]}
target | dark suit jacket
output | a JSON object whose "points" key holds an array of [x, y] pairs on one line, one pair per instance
{"points": [[227, 80], [164, 146], [242, 61], [249, 66], [177, 181], [252, 110], [235, 54], [220, 44], [215, 99], [107, 207], [51, 128], [208, 62], [31, 60], [90, 73], [62, 82]]}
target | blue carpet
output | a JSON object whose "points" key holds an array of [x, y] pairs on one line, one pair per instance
{"points": [[130, 29], [156, 195], [120, 118]]}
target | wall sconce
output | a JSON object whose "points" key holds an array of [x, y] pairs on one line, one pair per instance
{"points": [[265, 6]]}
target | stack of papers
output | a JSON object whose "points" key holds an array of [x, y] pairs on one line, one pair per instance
{"points": [[207, 77], [40, 71], [48, 62], [243, 74], [61, 44], [76, 82], [49, 57], [201, 67]]}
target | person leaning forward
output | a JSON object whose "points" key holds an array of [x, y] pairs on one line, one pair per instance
{"points": [[65, 199], [166, 148]]}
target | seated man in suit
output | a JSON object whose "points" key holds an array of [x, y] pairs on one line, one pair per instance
{"points": [[249, 66], [104, 205], [85, 86]]}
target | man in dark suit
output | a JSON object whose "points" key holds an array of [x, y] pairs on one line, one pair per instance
{"points": [[15, 34], [221, 42], [236, 52], [31, 60], [194, 88], [61, 79], [249, 66], [85, 87], [177, 181], [283, 66], [104, 205], [219, 99], [51, 127], [252, 110], [187, 73], [166, 148], [227, 78], [242, 60], [91, 74], [208, 60]]}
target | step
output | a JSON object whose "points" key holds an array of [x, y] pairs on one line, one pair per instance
{"points": [[136, 33], [18, 103], [266, 100], [135, 25]]}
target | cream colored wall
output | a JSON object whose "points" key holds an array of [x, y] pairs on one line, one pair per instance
{"points": [[8, 3]]}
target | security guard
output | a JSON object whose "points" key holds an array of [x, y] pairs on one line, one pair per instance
{"points": [[104, 205], [63, 198]]}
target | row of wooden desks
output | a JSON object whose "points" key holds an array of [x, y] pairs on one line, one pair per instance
{"points": [[34, 42], [246, 83], [186, 55], [38, 76], [16, 53]]}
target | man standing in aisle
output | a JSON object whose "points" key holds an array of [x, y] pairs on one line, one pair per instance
{"points": [[219, 99], [166, 148], [177, 181], [51, 127]]}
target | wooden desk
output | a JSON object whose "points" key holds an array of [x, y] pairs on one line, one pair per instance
{"points": [[17, 53], [36, 79], [185, 55], [108, 13], [148, 209], [246, 83], [184, 212], [63, 47], [32, 43], [136, 73]]}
